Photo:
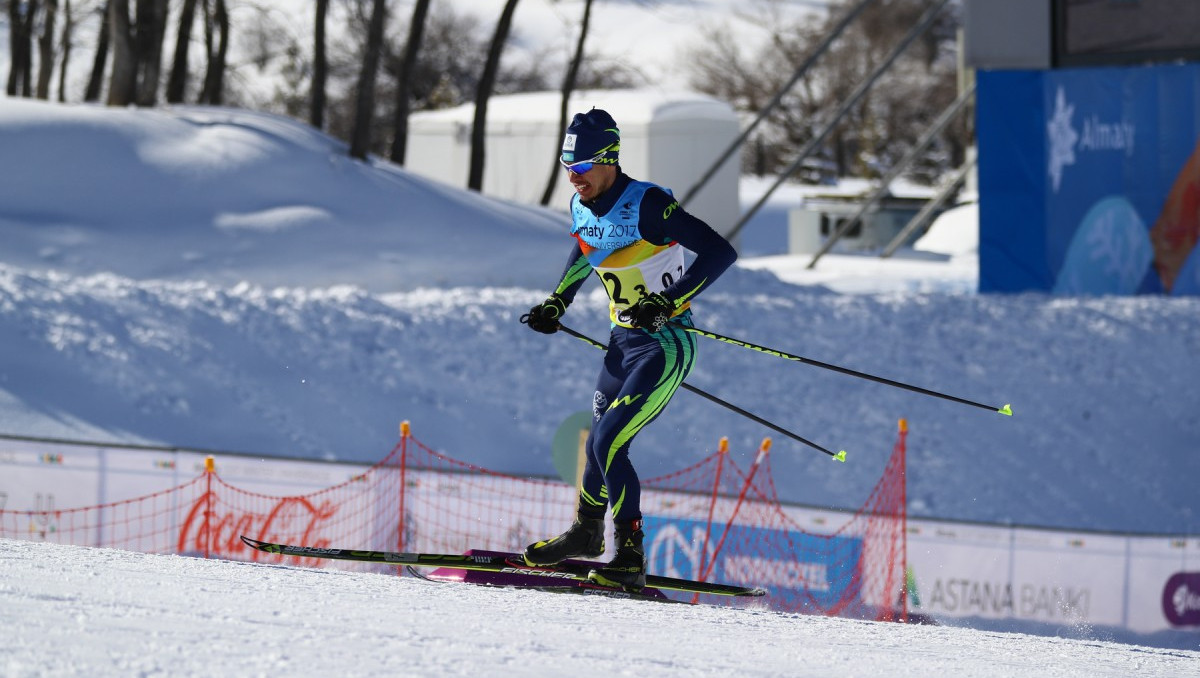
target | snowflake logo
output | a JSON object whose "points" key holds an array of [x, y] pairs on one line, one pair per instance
{"points": [[1062, 138]]}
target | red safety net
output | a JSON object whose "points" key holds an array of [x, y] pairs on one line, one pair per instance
{"points": [[717, 520]]}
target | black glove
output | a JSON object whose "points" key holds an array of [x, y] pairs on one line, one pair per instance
{"points": [[544, 317], [651, 313]]}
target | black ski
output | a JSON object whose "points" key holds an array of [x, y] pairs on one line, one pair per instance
{"points": [[572, 586], [508, 563]]}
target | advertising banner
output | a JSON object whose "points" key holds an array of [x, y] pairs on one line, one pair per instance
{"points": [[1089, 180], [1142, 583], [960, 571], [822, 576], [1060, 577], [1164, 584], [47, 477]]}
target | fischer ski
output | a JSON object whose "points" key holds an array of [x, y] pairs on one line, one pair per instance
{"points": [[572, 571]]}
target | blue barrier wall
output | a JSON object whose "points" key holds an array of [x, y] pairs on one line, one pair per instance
{"points": [[1089, 180]]}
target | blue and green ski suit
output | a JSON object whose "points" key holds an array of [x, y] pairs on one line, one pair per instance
{"points": [[633, 236]]}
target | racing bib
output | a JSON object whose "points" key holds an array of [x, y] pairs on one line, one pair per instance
{"points": [[629, 267]]}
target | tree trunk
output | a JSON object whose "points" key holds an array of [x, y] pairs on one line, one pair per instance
{"points": [[486, 83], [20, 74], [216, 39], [364, 106], [100, 60], [416, 31], [46, 56], [14, 39], [316, 113], [67, 34], [148, 41], [568, 87], [122, 84], [177, 83]]}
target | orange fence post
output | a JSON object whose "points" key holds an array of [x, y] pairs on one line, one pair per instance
{"points": [[722, 452], [763, 450], [405, 432], [210, 468]]}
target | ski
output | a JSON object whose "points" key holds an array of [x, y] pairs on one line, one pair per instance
{"points": [[571, 586], [500, 563]]}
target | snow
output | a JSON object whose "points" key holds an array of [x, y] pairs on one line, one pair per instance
{"points": [[223, 279], [289, 301], [74, 611]]}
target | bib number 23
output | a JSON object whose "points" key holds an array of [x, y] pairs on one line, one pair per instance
{"points": [[622, 284]]}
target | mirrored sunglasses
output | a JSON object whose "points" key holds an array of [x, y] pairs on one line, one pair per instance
{"points": [[583, 166]]}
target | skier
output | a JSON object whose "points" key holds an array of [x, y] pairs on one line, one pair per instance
{"points": [[632, 234]]}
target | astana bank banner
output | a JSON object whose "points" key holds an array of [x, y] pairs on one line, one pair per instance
{"points": [[1089, 180], [1140, 583]]}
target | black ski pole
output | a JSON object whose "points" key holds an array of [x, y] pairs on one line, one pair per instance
{"points": [[840, 455], [1006, 410]]}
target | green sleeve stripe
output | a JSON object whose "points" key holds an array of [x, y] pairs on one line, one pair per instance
{"points": [[689, 295], [577, 272]]}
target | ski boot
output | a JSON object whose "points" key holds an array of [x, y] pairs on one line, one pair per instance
{"points": [[584, 538], [628, 568]]}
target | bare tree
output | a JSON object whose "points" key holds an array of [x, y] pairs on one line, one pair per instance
{"points": [[483, 92], [879, 129], [568, 86], [360, 140], [177, 82], [100, 59], [216, 45], [46, 51], [148, 42], [122, 84], [320, 71], [137, 51], [66, 41], [20, 21], [447, 67], [408, 66]]}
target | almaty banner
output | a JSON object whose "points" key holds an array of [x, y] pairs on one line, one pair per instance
{"points": [[1089, 180]]}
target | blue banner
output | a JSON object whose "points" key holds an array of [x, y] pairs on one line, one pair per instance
{"points": [[799, 570], [1089, 180]]}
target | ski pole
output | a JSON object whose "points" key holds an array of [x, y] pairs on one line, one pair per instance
{"points": [[1006, 410], [840, 455]]}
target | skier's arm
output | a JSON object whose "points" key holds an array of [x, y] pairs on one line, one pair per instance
{"points": [[545, 316], [575, 273], [662, 221]]}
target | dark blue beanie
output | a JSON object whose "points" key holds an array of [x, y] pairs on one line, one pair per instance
{"points": [[592, 134]]}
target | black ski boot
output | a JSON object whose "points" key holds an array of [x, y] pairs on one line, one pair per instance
{"points": [[585, 538], [628, 568]]}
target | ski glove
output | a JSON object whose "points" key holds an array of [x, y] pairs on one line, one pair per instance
{"points": [[544, 317], [651, 313]]}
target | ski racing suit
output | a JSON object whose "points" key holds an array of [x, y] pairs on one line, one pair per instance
{"points": [[633, 236]]}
